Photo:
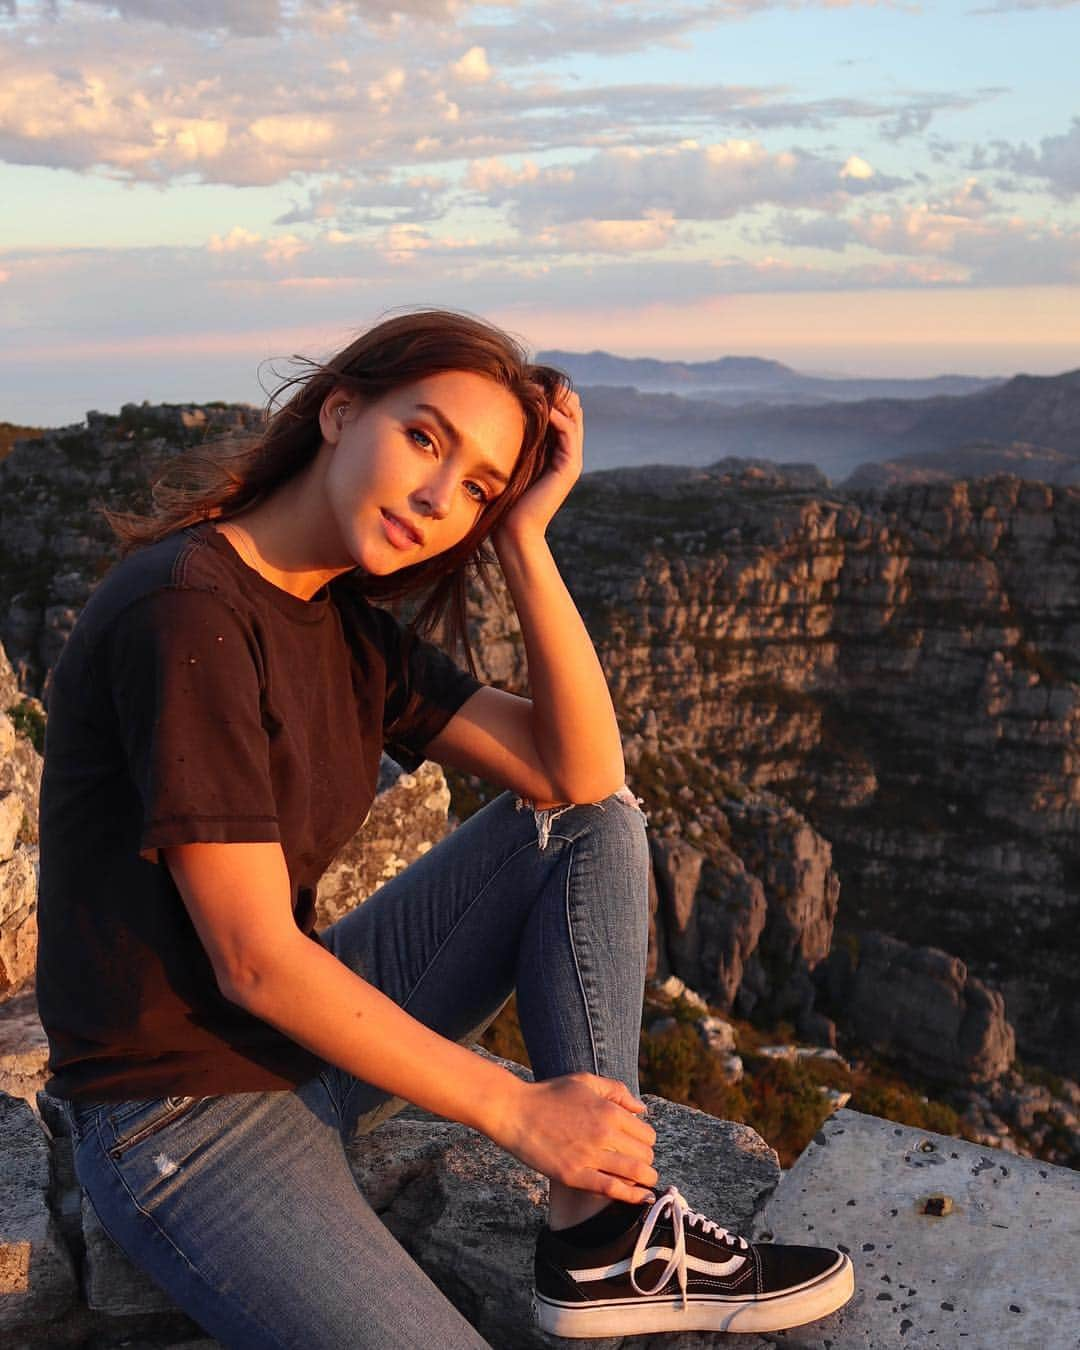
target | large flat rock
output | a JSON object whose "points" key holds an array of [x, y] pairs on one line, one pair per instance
{"points": [[38, 1283], [468, 1212], [1001, 1271], [24, 1048]]}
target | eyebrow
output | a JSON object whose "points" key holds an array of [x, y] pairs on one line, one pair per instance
{"points": [[451, 432]]}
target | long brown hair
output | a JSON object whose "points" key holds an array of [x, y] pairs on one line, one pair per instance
{"points": [[223, 478]]}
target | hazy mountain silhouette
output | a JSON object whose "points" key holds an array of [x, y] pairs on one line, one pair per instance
{"points": [[742, 379], [627, 426]]}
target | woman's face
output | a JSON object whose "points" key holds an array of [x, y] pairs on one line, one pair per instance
{"points": [[409, 475]]}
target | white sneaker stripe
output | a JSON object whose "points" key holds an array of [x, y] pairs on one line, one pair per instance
{"points": [[658, 1254]]}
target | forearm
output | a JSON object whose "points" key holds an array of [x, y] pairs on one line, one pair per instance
{"points": [[316, 1000], [578, 1129], [574, 726]]}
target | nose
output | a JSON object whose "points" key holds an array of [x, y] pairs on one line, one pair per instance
{"points": [[435, 496]]}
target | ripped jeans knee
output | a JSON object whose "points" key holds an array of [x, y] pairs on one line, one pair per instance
{"points": [[544, 818]]}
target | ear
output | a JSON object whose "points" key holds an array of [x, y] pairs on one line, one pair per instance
{"points": [[334, 413]]}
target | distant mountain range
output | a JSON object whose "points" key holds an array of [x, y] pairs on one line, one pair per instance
{"points": [[627, 426], [744, 379], [752, 409]]}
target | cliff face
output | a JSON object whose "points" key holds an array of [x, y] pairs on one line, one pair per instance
{"points": [[901, 667], [54, 544]]}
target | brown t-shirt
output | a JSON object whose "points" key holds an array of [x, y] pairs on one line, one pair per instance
{"points": [[195, 701]]}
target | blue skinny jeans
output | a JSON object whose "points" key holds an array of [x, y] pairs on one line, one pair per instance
{"points": [[242, 1206]]}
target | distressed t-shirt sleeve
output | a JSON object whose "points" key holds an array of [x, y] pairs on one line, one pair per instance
{"points": [[185, 678], [424, 689]]}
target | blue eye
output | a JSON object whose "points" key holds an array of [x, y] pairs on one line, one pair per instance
{"points": [[481, 497], [422, 439]]}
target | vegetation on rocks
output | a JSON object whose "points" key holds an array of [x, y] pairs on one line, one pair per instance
{"points": [[10, 433], [29, 720], [781, 1099]]}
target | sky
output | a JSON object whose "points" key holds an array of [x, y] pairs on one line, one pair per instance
{"points": [[193, 192]]}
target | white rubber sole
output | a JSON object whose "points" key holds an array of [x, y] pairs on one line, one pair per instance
{"points": [[703, 1312]]}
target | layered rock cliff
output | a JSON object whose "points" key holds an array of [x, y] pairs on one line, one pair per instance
{"points": [[899, 666]]}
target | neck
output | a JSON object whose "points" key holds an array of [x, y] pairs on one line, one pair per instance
{"points": [[285, 538]]}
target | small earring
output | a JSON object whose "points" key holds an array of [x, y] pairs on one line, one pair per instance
{"points": [[341, 412]]}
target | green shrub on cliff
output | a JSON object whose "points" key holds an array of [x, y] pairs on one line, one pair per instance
{"points": [[28, 721]]}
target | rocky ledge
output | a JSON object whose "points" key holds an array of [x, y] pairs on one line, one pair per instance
{"points": [[948, 1241], [743, 913], [899, 664]]}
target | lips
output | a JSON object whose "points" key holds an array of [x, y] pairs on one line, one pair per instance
{"points": [[400, 532]]}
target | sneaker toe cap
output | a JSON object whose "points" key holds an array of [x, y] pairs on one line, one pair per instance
{"points": [[783, 1266]]}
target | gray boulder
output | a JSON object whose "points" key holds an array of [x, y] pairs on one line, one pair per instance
{"points": [[732, 919], [37, 1273], [24, 1049], [18, 917], [677, 869], [466, 1211], [442, 1190], [920, 1005], [408, 816], [20, 782], [656, 963], [794, 865]]}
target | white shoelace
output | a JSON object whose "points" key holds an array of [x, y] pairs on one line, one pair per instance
{"points": [[681, 1214]]}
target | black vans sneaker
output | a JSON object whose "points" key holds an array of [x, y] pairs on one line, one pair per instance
{"points": [[675, 1270]]}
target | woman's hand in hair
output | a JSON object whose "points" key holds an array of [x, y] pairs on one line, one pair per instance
{"points": [[531, 514]]}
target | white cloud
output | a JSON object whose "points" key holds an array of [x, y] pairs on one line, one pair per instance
{"points": [[383, 90], [401, 243], [688, 181], [247, 18], [149, 89], [449, 111], [917, 229], [401, 142], [610, 236], [295, 136], [283, 248], [152, 103], [972, 198], [611, 27], [263, 18], [989, 250], [1019, 253], [191, 138], [380, 13], [817, 231], [959, 234], [237, 238], [473, 67], [485, 174], [370, 198], [856, 167], [1006, 6]]}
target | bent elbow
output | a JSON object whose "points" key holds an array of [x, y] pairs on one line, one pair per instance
{"points": [[244, 982]]}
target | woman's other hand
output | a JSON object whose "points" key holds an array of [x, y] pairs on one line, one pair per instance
{"points": [[584, 1131], [531, 514]]}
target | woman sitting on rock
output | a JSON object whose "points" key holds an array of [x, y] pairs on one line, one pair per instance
{"points": [[215, 726]]}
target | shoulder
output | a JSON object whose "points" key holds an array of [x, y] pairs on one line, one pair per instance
{"points": [[181, 561], [163, 588]]}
